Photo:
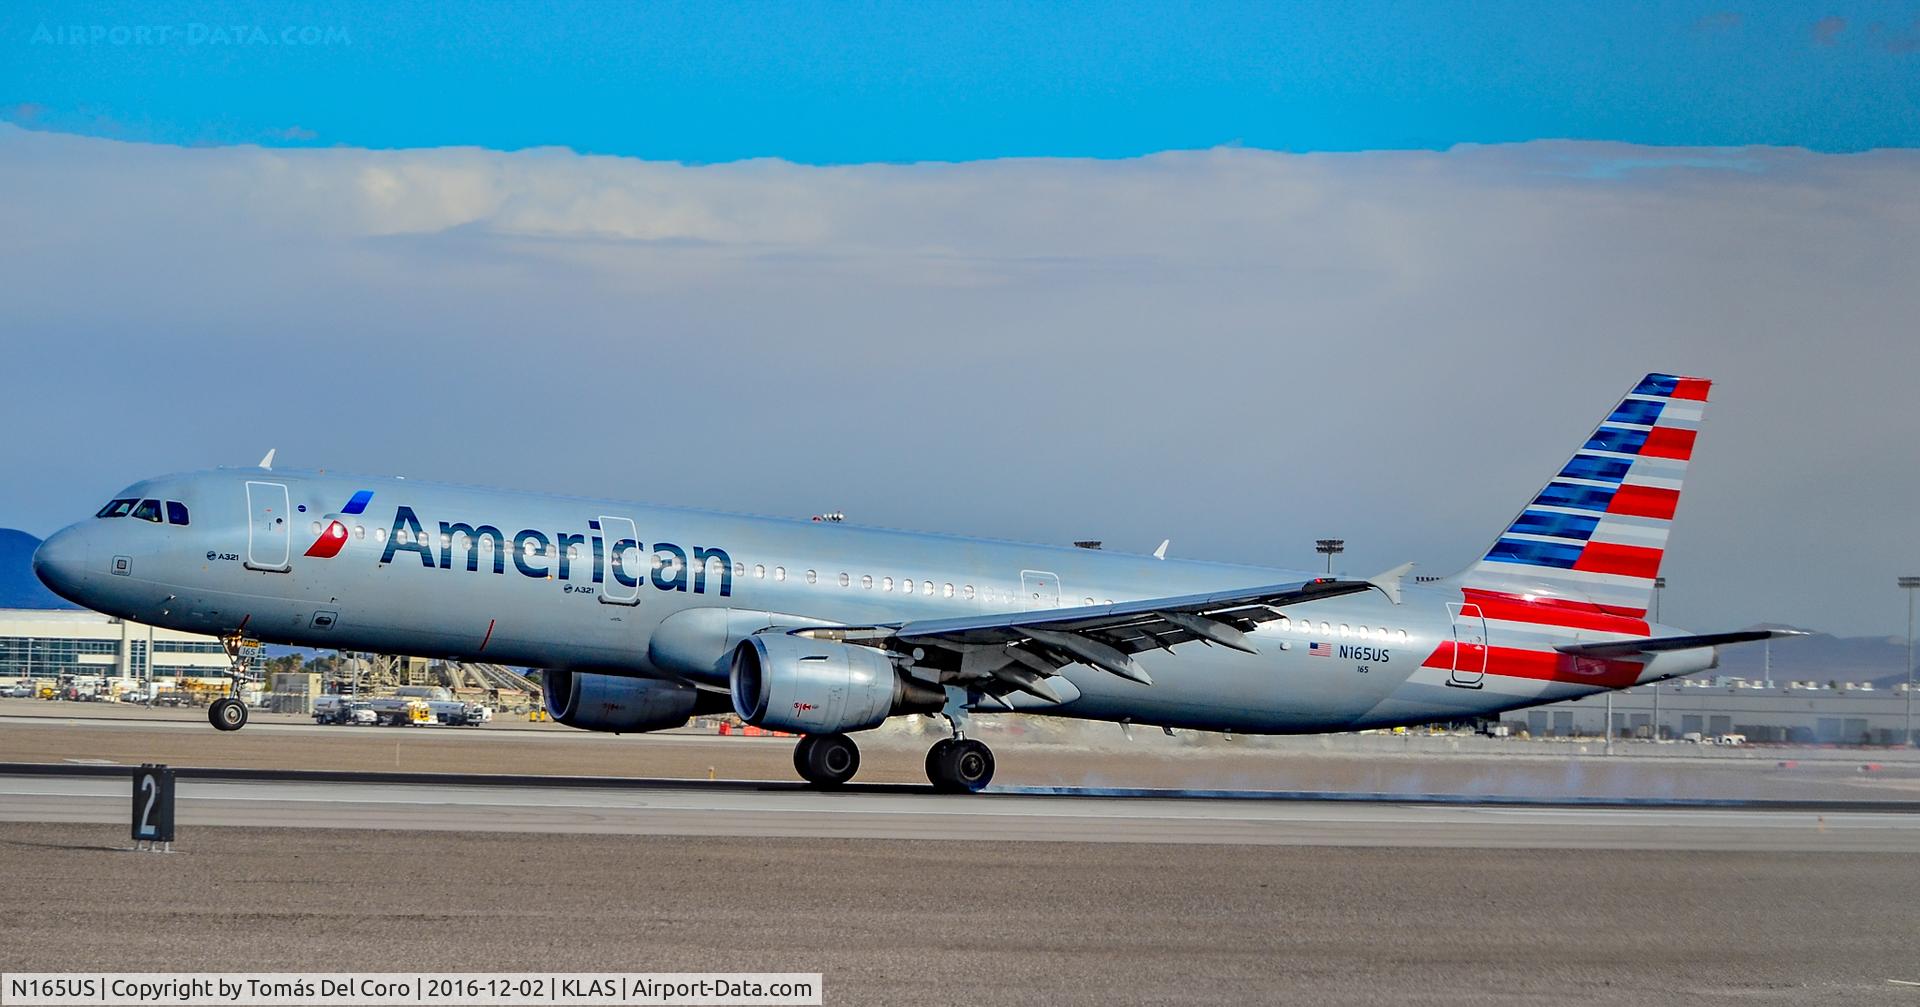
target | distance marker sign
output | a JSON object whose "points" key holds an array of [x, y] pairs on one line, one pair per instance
{"points": [[153, 804]]}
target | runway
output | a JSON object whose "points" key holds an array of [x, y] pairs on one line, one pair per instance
{"points": [[784, 811], [1463, 768], [900, 896]]}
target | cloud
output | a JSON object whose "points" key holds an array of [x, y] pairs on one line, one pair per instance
{"points": [[1240, 349], [1718, 21], [1898, 41]]}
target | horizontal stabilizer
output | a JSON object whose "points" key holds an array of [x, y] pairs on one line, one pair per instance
{"points": [[1658, 644]]}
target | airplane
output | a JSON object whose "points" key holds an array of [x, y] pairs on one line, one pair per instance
{"points": [[642, 617]]}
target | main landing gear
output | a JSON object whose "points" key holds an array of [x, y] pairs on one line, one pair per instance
{"points": [[229, 713], [826, 760], [959, 765], [956, 765]]}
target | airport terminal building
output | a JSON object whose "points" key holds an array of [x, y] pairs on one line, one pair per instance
{"points": [[53, 644], [1808, 713]]}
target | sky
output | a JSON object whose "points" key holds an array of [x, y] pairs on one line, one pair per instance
{"points": [[1238, 277], [849, 83]]}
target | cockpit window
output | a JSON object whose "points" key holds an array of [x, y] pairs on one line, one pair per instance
{"points": [[149, 510], [118, 508], [176, 512]]}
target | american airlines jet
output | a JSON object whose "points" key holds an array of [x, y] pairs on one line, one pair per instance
{"points": [[644, 616]]}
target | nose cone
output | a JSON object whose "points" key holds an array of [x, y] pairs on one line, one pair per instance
{"points": [[61, 563]]}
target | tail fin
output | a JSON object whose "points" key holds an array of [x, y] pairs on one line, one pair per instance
{"points": [[1595, 535]]}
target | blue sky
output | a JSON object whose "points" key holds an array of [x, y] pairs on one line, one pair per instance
{"points": [[851, 83]]}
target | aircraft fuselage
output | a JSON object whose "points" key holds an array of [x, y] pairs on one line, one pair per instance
{"points": [[399, 566]]}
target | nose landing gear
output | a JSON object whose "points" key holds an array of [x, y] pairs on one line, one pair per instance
{"points": [[229, 713]]}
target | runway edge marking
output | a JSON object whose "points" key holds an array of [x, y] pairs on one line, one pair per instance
{"points": [[1010, 792]]}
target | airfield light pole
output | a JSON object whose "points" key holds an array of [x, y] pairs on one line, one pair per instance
{"points": [[1908, 584], [1659, 584], [1329, 547]]}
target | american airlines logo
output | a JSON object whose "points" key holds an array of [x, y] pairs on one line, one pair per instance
{"points": [[333, 537], [565, 556]]}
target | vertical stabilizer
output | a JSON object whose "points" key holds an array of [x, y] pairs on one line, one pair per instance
{"points": [[1595, 535]]}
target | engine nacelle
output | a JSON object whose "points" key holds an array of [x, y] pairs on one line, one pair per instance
{"points": [[623, 705], [792, 683]]}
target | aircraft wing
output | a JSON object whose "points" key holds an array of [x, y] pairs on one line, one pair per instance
{"points": [[1658, 644], [1019, 650]]}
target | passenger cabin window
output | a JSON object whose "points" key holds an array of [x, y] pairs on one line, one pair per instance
{"points": [[118, 508], [176, 512], [149, 510]]}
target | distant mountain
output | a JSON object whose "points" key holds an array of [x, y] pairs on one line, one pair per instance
{"points": [[19, 588], [1821, 658]]}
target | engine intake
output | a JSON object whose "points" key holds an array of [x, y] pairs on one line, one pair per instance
{"points": [[792, 683], [623, 705]]}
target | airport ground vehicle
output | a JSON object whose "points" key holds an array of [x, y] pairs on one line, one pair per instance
{"points": [[456, 713], [20, 690], [400, 711], [343, 710]]}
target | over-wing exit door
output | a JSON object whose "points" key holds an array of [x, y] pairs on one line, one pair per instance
{"points": [[1039, 590]]}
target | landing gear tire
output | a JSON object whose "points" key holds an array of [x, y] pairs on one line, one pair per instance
{"points": [[227, 714], [934, 755], [800, 755], [959, 766], [826, 760]]}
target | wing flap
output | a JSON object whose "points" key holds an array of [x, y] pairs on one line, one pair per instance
{"points": [[1137, 623]]}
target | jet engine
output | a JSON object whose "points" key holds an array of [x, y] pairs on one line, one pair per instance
{"points": [[792, 683], [623, 705]]}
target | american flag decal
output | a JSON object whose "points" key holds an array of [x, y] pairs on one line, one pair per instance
{"points": [[1319, 650]]}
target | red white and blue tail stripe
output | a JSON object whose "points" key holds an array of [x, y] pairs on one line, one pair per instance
{"points": [[1593, 538]]}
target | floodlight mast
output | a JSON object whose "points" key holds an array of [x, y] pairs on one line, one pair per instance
{"points": [[1909, 585]]}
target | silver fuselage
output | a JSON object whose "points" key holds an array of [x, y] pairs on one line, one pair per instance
{"points": [[584, 585]]}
